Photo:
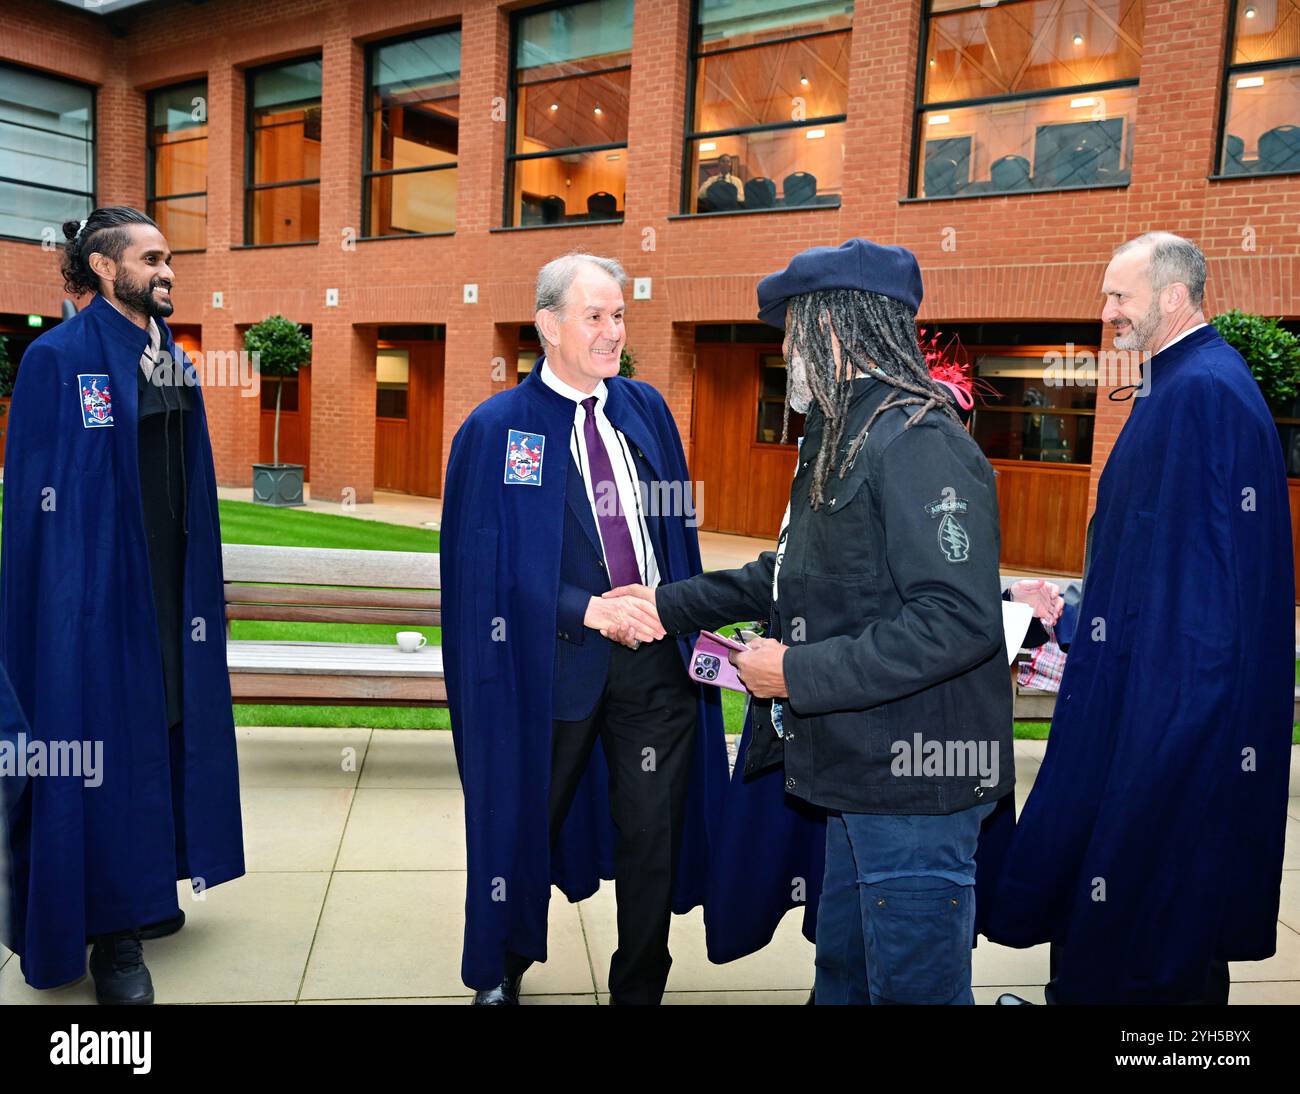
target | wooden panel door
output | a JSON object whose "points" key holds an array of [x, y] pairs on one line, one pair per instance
{"points": [[295, 429], [1044, 514], [424, 417], [408, 451], [723, 423]]}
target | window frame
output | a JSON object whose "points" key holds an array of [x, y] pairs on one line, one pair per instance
{"points": [[250, 187], [921, 108], [1032, 353], [693, 58], [367, 134], [151, 194], [93, 141], [1230, 72], [512, 111]]}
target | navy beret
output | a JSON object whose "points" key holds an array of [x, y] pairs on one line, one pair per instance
{"points": [[857, 264]]}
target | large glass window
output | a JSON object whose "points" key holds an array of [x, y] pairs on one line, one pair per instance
{"points": [[412, 123], [571, 77], [47, 153], [1026, 95], [1261, 120], [282, 198], [769, 91], [1028, 418], [178, 164]]}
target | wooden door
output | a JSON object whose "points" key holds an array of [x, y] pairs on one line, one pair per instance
{"points": [[408, 450], [295, 423], [746, 480]]}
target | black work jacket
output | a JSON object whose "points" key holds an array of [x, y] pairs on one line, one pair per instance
{"points": [[889, 600]]}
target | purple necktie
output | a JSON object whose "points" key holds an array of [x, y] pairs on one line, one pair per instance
{"points": [[620, 555]]}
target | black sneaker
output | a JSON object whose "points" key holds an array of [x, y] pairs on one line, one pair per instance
{"points": [[117, 966]]}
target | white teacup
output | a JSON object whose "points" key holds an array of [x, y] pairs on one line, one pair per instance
{"points": [[410, 641]]}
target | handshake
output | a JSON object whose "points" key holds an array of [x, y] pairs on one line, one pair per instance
{"points": [[626, 615]]}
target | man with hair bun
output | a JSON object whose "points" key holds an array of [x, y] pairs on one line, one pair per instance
{"points": [[1149, 852], [112, 625]]}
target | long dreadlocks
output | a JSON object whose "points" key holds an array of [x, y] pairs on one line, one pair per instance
{"points": [[877, 337]]}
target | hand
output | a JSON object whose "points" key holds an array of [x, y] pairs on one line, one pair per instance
{"points": [[625, 619], [641, 592], [761, 668], [1043, 596]]}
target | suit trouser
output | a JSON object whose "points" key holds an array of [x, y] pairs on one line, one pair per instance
{"points": [[897, 914], [645, 720]]}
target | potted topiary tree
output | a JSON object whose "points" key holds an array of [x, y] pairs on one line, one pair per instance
{"points": [[627, 362], [1273, 354], [280, 348]]}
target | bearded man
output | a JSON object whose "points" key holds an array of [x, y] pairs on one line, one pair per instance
{"points": [[112, 624], [1149, 852]]}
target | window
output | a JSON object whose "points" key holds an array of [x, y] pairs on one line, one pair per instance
{"points": [[771, 403], [571, 76], [282, 195], [412, 124], [1261, 117], [769, 90], [1032, 420], [392, 382], [178, 164], [47, 154], [1026, 95]]}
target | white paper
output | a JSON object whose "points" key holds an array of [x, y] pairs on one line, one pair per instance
{"points": [[1016, 618]]}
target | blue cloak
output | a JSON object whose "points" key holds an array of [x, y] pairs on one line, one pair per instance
{"points": [[769, 855], [1151, 844], [501, 565], [79, 638]]}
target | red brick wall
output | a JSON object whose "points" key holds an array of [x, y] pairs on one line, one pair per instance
{"points": [[1032, 256]]}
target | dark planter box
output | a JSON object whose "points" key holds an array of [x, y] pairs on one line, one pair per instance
{"points": [[278, 484]]}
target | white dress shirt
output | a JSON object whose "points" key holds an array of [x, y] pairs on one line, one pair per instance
{"points": [[1179, 338], [620, 459]]}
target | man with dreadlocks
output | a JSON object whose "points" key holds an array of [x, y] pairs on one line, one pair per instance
{"points": [[882, 684]]}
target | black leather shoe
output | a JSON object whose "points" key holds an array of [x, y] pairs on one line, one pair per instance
{"points": [[163, 928], [505, 994], [117, 966], [1006, 999]]}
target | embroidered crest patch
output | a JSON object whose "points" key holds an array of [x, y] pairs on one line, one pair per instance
{"points": [[953, 540], [524, 458], [951, 504], [96, 400]]}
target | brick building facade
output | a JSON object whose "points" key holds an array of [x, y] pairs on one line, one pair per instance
{"points": [[1033, 256]]}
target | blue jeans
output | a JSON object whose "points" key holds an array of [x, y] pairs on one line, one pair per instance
{"points": [[897, 914]]}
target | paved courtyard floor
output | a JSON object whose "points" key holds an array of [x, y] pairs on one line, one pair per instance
{"points": [[355, 893]]}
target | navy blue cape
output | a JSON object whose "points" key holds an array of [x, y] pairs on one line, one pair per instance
{"points": [[79, 639], [769, 855], [500, 559], [1151, 843]]}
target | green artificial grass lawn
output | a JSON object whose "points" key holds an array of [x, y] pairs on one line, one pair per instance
{"points": [[243, 522]]}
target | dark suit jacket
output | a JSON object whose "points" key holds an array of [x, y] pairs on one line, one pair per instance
{"points": [[582, 655]]}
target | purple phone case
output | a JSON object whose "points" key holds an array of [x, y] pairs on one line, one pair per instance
{"points": [[710, 663]]}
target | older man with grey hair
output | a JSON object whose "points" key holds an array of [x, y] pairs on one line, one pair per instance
{"points": [[584, 750], [1150, 850]]}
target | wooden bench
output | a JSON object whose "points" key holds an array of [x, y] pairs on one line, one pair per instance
{"points": [[320, 585]]}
